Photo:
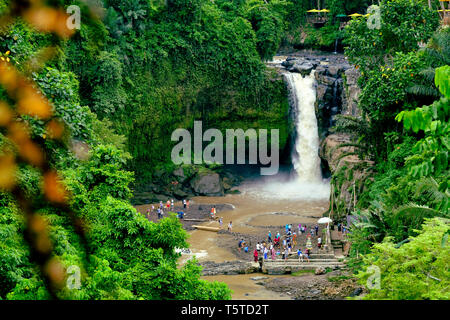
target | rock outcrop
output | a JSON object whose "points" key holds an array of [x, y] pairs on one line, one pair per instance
{"points": [[186, 182], [229, 268], [337, 93], [349, 171], [207, 183], [350, 94]]}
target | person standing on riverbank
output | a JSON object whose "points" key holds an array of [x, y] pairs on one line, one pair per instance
{"points": [[269, 237], [230, 226], [184, 204], [255, 255]]}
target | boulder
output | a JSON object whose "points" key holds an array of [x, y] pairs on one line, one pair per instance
{"points": [[207, 183], [179, 174], [323, 79], [287, 63], [319, 270], [335, 69], [304, 68], [322, 70]]}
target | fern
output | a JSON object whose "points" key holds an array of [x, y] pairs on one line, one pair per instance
{"points": [[429, 187]]}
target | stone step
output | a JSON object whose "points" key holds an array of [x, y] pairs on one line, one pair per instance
{"points": [[277, 265], [278, 270], [311, 261], [322, 255], [314, 256], [295, 257]]}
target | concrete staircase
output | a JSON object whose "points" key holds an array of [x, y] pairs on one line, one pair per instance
{"points": [[291, 265]]}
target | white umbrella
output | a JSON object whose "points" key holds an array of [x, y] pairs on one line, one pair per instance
{"points": [[324, 220]]}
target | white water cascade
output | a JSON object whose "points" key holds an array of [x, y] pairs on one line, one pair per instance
{"points": [[307, 183], [305, 157]]}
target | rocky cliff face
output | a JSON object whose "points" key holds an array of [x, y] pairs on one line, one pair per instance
{"points": [[349, 171], [337, 93], [350, 94]]}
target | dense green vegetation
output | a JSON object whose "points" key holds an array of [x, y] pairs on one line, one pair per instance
{"points": [[190, 60], [127, 79], [128, 256], [405, 107]]}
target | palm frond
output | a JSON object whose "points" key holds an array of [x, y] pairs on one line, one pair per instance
{"points": [[423, 90]]}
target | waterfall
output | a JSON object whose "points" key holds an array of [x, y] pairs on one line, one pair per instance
{"points": [[335, 45], [305, 157], [307, 184]]}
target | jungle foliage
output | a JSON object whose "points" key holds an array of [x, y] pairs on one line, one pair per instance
{"points": [[402, 213]]}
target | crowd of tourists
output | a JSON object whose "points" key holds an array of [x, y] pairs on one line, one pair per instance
{"points": [[167, 206], [282, 246]]}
